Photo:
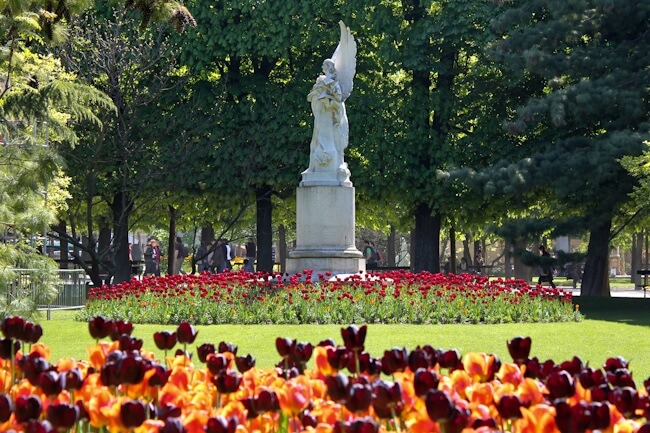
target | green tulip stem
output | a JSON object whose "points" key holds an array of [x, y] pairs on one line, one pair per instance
{"points": [[395, 419], [218, 403], [357, 362]]}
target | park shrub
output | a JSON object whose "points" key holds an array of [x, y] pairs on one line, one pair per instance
{"points": [[122, 387], [389, 298]]}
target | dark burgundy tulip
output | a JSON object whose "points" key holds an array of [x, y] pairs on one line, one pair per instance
{"points": [[217, 363], [424, 381], [372, 367], [601, 392], [646, 385], [613, 364], [27, 408], [51, 382], [13, 327], [133, 413], [165, 340], [300, 353], [186, 333], [451, 359], [121, 327], [364, 362], [354, 338], [160, 376], [204, 350], [227, 382], [458, 420], [131, 370], [83, 413], [181, 352], [509, 406], [337, 387], [9, 348], [108, 374], [387, 399], [621, 378], [572, 419], [600, 416], [644, 405], [227, 347], [308, 419], [645, 428], [394, 360], [433, 353], [439, 405], [32, 333], [359, 398], [493, 367], [167, 411], [73, 379], [39, 427], [33, 365], [418, 358], [222, 425], [560, 385], [173, 425], [491, 423], [6, 408], [283, 346], [128, 343], [337, 357], [251, 407], [573, 367], [100, 327], [327, 342], [62, 416], [267, 401], [245, 363], [626, 400], [589, 377], [519, 348], [359, 425]]}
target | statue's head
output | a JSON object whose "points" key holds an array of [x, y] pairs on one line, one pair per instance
{"points": [[328, 66]]}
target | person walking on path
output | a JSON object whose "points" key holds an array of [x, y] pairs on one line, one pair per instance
{"points": [[545, 266], [180, 252]]}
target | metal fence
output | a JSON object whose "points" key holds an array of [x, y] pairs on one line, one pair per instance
{"points": [[71, 288]]}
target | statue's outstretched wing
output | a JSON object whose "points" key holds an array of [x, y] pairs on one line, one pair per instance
{"points": [[345, 60]]}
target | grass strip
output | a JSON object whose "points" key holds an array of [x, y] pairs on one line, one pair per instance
{"points": [[613, 328]]}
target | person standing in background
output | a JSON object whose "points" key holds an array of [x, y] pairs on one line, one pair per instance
{"points": [[251, 253]]}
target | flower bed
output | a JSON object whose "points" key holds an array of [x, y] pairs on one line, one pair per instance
{"points": [[123, 388], [392, 297]]}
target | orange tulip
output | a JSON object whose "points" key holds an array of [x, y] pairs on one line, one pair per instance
{"points": [[195, 421], [322, 366], [42, 350], [294, 396], [150, 426], [536, 419], [510, 373], [476, 366]]}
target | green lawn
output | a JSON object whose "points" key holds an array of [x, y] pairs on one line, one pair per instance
{"points": [[613, 327]]}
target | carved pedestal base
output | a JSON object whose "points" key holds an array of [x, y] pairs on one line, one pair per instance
{"points": [[325, 220]]}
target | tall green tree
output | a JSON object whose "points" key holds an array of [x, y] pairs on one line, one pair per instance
{"points": [[593, 56]]}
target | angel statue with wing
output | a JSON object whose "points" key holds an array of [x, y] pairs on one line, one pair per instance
{"points": [[331, 131]]}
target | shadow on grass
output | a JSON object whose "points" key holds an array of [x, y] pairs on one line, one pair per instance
{"points": [[633, 311]]}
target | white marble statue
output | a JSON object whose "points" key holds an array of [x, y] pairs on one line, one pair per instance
{"points": [[327, 97]]}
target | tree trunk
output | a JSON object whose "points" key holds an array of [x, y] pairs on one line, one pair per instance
{"points": [[207, 233], [452, 249], [282, 240], [390, 248], [120, 256], [522, 271], [595, 280], [171, 240], [63, 247], [637, 253], [264, 229], [427, 240], [507, 258]]}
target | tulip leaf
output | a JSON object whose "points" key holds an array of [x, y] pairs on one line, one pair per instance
{"points": [[283, 423]]}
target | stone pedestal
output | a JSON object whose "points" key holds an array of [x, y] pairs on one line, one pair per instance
{"points": [[325, 242]]}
